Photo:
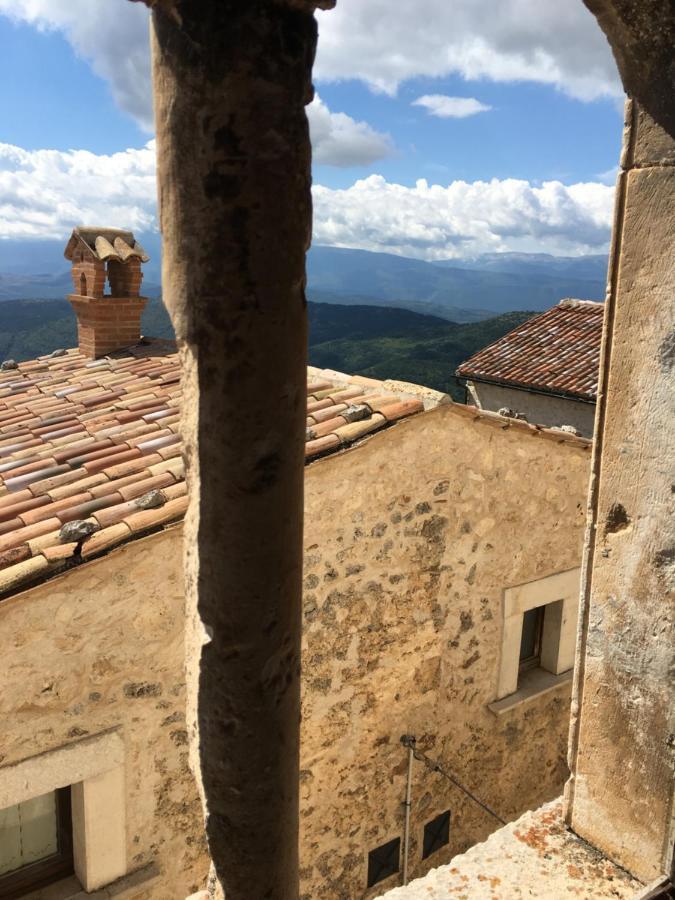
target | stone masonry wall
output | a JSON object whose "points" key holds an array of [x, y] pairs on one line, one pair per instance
{"points": [[101, 647], [410, 540]]}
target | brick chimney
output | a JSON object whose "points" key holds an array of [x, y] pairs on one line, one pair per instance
{"points": [[111, 321]]}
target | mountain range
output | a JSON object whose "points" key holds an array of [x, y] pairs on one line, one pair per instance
{"points": [[455, 290]]}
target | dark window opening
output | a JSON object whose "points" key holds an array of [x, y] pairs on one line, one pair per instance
{"points": [[36, 844], [384, 861], [436, 834], [530, 641], [117, 278], [83, 284]]}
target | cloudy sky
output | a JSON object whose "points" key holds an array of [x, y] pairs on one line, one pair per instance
{"points": [[440, 128]]}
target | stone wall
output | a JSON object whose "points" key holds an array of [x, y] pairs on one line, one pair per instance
{"points": [[99, 648], [621, 796], [410, 540], [540, 409]]}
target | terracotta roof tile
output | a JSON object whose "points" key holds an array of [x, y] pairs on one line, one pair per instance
{"points": [[84, 440], [558, 352]]}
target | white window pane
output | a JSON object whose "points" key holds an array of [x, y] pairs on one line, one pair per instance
{"points": [[10, 839], [28, 832], [38, 827]]}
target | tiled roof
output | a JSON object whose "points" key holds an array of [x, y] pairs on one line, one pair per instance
{"points": [[558, 351], [98, 442], [105, 243]]}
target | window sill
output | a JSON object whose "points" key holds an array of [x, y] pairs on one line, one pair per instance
{"points": [[534, 683]]}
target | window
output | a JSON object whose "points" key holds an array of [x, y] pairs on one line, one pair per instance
{"points": [[436, 834], [81, 826], [530, 639], [539, 634], [36, 843], [383, 861]]}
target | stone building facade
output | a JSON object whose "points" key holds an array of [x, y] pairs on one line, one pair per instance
{"points": [[409, 573], [93, 699], [415, 544]]}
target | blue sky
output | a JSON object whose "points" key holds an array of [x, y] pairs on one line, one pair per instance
{"points": [[50, 98], [532, 131], [531, 169]]}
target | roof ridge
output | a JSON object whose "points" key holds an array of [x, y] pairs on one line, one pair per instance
{"points": [[590, 305]]}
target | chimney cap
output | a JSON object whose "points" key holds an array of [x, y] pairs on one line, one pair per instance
{"points": [[105, 243]]}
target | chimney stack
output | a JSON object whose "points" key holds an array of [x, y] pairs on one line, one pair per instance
{"points": [[106, 322]]}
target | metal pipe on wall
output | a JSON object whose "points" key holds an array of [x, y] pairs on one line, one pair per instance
{"points": [[408, 741]]}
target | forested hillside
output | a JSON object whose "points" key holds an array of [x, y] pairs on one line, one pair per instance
{"points": [[363, 340], [403, 345]]}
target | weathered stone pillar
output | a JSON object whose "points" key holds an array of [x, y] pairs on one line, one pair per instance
{"points": [[620, 795], [231, 80]]}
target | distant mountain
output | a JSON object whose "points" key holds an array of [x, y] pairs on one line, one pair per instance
{"points": [[456, 290], [435, 310], [452, 288], [45, 257], [329, 322], [366, 340], [47, 287], [576, 267]]}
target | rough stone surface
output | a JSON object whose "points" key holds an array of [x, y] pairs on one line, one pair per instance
{"points": [[403, 604], [151, 500], [620, 795], [78, 530], [642, 35], [102, 647], [534, 857], [410, 540], [231, 83]]}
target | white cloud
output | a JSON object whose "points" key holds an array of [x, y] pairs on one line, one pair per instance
{"points": [[463, 219], [444, 107], [43, 193], [339, 140], [111, 37], [556, 43]]}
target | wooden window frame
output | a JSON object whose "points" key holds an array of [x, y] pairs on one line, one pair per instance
{"points": [[19, 882]]}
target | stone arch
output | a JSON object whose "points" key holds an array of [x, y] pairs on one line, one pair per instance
{"points": [[641, 37]]}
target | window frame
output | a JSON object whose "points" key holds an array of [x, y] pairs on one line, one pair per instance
{"points": [[59, 865], [558, 593]]}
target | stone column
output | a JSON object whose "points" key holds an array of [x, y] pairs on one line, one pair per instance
{"points": [[231, 80], [620, 795]]}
